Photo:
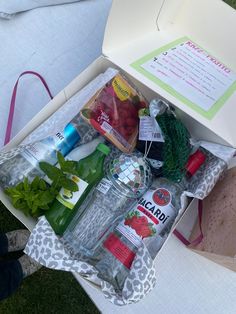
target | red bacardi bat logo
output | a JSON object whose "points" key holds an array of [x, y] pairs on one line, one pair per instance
{"points": [[161, 197]]}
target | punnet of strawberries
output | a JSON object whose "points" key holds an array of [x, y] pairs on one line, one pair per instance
{"points": [[115, 112]]}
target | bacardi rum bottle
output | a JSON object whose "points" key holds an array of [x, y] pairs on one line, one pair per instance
{"points": [[155, 212]]}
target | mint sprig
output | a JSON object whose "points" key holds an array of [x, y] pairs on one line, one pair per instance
{"points": [[35, 197], [32, 198]]}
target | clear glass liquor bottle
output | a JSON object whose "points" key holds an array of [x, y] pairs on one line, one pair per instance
{"points": [[127, 177], [156, 211]]}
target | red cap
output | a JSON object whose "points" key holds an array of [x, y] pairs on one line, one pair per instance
{"points": [[195, 161]]}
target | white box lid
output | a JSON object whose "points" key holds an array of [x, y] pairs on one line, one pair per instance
{"points": [[136, 27]]}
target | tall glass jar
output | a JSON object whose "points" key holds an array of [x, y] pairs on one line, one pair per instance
{"points": [[127, 178]]}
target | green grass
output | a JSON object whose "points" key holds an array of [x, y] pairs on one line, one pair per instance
{"points": [[232, 3], [46, 291]]}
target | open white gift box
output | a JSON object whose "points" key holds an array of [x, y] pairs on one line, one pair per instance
{"points": [[135, 29]]}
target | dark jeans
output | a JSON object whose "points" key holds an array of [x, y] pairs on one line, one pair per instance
{"points": [[10, 272]]}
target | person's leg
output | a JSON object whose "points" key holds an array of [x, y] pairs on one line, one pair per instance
{"points": [[3, 244], [13, 241], [13, 272], [28, 265], [11, 276]]}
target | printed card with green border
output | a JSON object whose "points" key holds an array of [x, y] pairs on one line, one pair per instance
{"points": [[190, 74]]}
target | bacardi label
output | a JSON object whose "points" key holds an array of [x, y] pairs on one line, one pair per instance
{"points": [[149, 217]]}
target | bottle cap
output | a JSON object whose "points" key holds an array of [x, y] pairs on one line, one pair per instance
{"points": [[71, 137], [103, 148], [195, 161]]}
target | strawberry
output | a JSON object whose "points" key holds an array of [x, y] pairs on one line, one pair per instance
{"points": [[129, 131], [115, 124], [133, 219], [123, 114], [131, 122], [140, 225], [101, 106], [144, 220], [133, 113], [122, 131], [141, 105], [145, 232], [127, 221], [136, 223], [96, 114], [126, 105]]}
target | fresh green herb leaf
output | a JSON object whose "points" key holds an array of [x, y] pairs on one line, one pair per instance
{"points": [[20, 186], [26, 184], [44, 207], [46, 198], [51, 171], [61, 159], [35, 183], [35, 197], [69, 184], [42, 185], [70, 167]]}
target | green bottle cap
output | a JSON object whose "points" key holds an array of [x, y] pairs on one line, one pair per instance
{"points": [[103, 148]]}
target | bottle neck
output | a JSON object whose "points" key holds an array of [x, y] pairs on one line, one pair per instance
{"points": [[91, 167], [66, 140], [98, 155], [95, 160]]}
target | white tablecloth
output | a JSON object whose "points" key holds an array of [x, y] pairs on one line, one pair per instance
{"points": [[58, 42]]}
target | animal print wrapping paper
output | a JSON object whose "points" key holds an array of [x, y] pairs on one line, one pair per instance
{"points": [[46, 248]]}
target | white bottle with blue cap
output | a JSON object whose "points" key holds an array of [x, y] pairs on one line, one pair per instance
{"points": [[26, 163]]}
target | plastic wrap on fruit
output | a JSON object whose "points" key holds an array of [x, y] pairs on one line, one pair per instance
{"points": [[113, 111]]}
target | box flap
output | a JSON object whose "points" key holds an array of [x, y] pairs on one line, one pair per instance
{"points": [[136, 28], [129, 20]]}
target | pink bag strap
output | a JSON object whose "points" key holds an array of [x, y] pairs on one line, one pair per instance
{"points": [[13, 102], [200, 237]]}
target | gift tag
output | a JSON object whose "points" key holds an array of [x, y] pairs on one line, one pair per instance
{"points": [[149, 130]]}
